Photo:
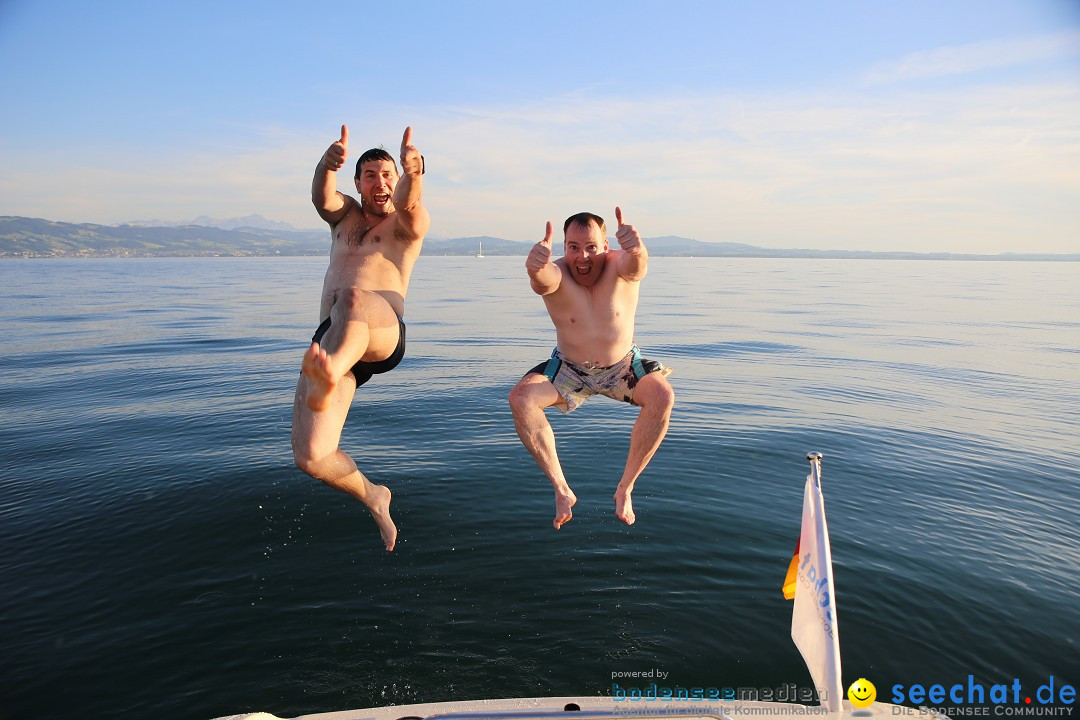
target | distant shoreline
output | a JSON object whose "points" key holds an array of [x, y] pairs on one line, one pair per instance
{"points": [[35, 238], [883, 257]]}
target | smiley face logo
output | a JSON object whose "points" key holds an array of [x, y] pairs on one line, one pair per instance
{"points": [[862, 693]]}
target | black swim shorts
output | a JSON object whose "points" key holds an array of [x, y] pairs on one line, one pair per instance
{"points": [[363, 371]]}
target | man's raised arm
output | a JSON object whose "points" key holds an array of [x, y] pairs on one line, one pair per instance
{"points": [[413, 220], [328, 202], [544, 275], [634, 260]]}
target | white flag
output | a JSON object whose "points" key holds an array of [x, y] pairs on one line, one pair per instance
{"points": [[813, 619]]}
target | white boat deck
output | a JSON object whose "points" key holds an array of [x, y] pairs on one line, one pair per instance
{"points": [[598, 708]]}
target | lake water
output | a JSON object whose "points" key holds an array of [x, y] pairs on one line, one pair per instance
{"points": [[161, 557]]}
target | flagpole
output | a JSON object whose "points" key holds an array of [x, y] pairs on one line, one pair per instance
{"points": [[815, 459], [814, 626]]}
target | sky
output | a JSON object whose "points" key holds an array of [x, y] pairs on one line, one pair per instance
{"points": [[922, 125]]}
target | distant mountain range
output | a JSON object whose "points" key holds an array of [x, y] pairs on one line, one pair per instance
{"points": [[22, 237], [248, 221], [33, 237]]}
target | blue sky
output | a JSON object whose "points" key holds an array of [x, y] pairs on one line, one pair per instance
{"points": [[916, 125]]}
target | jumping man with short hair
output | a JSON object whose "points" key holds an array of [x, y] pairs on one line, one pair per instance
{"points": [[591, 294], [375, 243]]}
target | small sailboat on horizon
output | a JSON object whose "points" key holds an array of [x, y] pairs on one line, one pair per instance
{"points": [[480, 249]]}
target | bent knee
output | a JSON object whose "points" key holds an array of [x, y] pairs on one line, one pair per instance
{"points": [[351, 299], [308, 462], [305, 462], [658, 394], [518, 396], [532, 391]]}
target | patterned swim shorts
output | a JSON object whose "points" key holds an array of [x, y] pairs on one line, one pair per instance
{"points": [[577, 383]]}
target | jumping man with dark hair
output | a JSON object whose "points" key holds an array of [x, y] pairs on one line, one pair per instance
{"points": [[374, 244]]}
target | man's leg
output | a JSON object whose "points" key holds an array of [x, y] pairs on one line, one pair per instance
{"points": [[315, 438], [363, 326], [656, 398], [528, 399]]}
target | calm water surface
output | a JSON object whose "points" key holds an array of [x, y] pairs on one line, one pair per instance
{"points": [[160, 554]]}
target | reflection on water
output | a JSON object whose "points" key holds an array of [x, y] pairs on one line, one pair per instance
{"points": [[161, 551]]}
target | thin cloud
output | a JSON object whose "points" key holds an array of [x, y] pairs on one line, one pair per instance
{"points": [[975, 57], [982, 169], [919, 170]]}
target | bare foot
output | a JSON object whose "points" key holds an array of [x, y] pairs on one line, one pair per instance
{"points": [[316, 366], [563, 503], [380, 495], [624, 507]]}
